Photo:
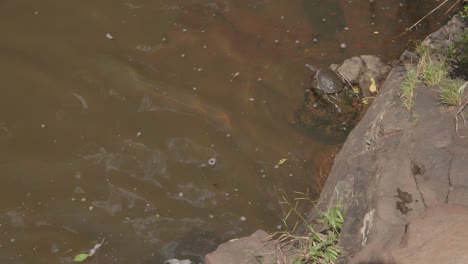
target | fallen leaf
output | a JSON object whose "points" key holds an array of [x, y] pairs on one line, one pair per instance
{"points": [[282, 161], [355, 90], [373, 87], [81, 257]]}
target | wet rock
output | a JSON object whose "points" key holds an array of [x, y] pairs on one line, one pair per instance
{"points": [[328, 116], [254, 249]]}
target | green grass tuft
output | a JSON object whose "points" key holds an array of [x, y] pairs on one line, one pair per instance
{"points": [[451, 92], [434, 73], [407, 87], [317, 246]]}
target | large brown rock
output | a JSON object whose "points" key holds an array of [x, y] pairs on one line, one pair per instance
{"points": [[395, 164], [439, 235]]}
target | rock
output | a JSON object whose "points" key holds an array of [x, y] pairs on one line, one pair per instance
{"points": [[442, 39], [254, 249], [375, 69], [351, 69], [360, 70], [440, 235], [396, 171], [409, 57]]}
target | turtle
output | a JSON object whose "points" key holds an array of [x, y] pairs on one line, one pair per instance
{"points": [[327, 80]]}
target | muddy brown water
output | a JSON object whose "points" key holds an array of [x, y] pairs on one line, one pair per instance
{"points": [[157, 125]]}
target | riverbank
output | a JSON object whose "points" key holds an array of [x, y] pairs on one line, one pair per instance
{"points": [[400, 170]]}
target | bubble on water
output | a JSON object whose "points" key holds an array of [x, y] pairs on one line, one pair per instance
{"points": [[109, 36], [243, 218], [342, 45], [276, 166], [83, 199], [42, 125], [212, 161], [278, 227], [211, 216], [251, 99], [90, 208], [181, 194]]}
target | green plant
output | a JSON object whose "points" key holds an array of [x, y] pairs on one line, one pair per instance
{"points": [[407, 87], [316, 246], [434, 73], [451, 92], [464, 12], [423, 51]]}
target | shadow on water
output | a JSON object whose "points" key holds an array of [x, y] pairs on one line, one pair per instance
{"points": [[158, 125]]}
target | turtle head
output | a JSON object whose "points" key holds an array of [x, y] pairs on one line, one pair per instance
{"points": [[312, 68]]}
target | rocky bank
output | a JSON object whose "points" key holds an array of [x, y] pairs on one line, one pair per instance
{"points": [[403, 177]]}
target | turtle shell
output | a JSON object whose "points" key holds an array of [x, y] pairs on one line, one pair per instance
{"points": [[328, 81]]}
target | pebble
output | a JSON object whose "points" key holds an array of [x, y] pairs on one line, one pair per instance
{"points": [[342, 45], [109, 36], [181, 194], [243, 218]]}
